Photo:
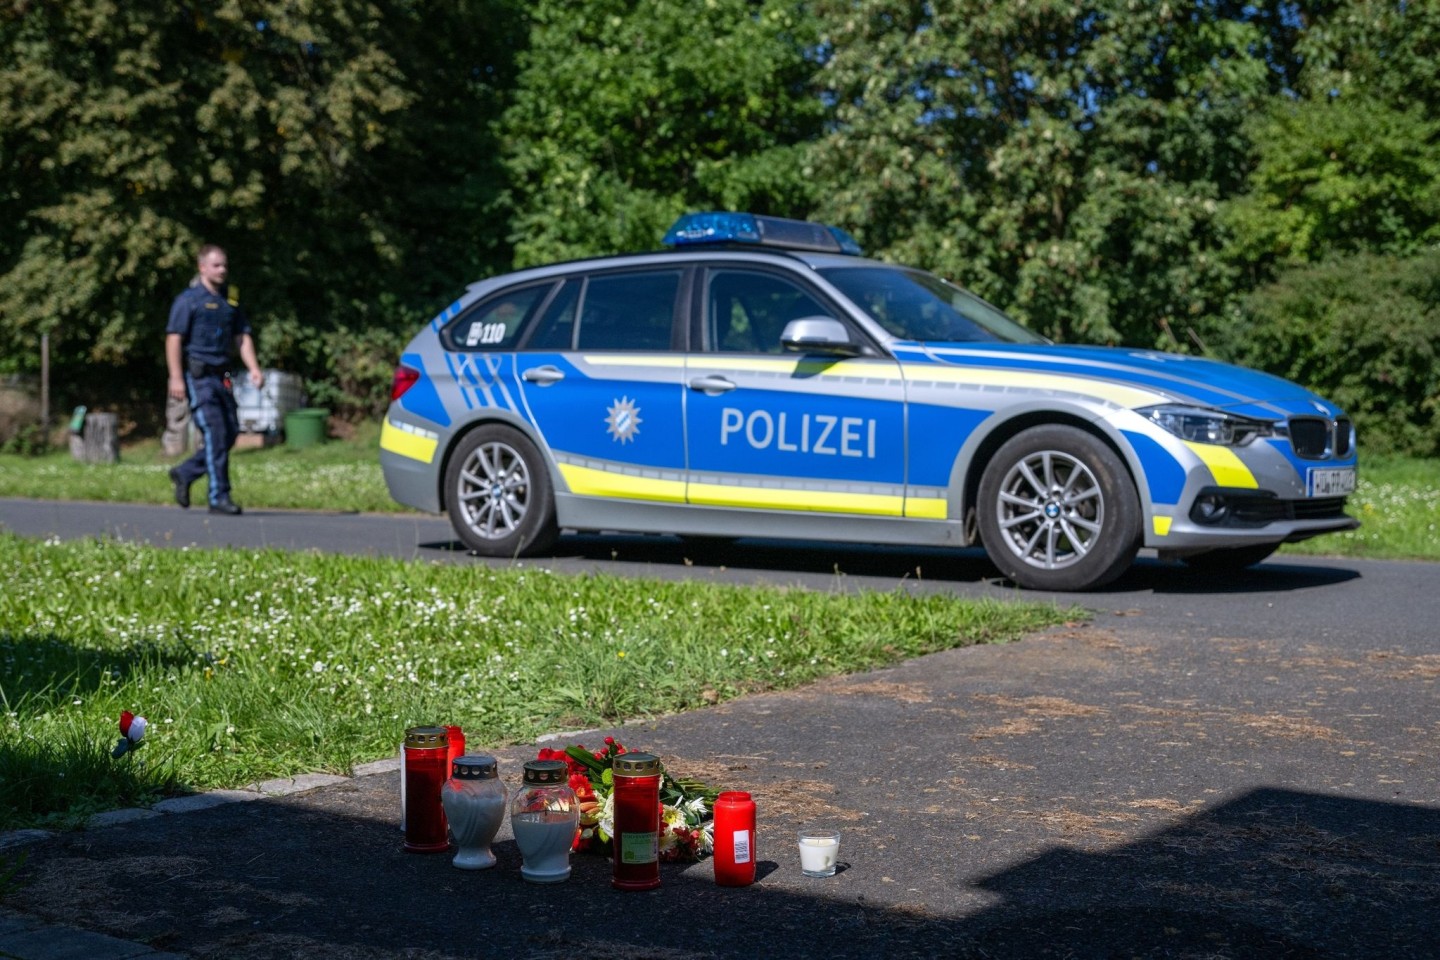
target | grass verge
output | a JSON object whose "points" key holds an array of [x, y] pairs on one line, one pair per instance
{"points": [[251, 665], [339, 475]]}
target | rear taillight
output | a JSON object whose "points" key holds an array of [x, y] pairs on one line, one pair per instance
{"points": [[405, 378]]}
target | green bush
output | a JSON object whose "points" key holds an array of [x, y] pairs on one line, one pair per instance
{"points": [[1363, 331]]}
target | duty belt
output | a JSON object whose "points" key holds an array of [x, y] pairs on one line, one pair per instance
{"points": [[199, 368]]}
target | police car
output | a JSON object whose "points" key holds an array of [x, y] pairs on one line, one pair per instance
{"points": [[761, 378]]}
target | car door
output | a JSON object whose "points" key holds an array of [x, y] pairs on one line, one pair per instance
{"points": [[773, 430], [600, 377]]}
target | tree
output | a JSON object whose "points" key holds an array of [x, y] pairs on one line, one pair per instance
{"points": [[1349, 161], [1064, 159], [318, 142], [628, 113], [1363, 330]]}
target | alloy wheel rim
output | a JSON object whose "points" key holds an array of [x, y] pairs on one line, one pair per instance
{"points": [[494, 490], [1051, 510]]}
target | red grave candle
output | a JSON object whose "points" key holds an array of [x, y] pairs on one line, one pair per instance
{"points": [[426, 770], [734, 839], [636, 843]]}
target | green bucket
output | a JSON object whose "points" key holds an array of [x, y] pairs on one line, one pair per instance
{"points": [[305, 427]]}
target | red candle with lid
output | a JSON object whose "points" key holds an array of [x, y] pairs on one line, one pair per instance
{"points": [[734, 839], [636, 842], [426, 770]]}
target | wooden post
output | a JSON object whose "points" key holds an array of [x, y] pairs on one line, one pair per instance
{"points": [[45, 390]]}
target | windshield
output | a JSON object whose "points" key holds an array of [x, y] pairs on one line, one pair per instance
{"points": [[914, 305]]}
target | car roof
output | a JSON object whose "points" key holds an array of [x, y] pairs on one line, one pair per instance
{"points": [[691, 255]]}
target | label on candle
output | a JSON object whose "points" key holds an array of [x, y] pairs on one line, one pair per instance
{"points": [[639, 847], [742, 846]]}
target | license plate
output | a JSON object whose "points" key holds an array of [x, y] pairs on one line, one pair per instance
{"points": [[1332, 482]]}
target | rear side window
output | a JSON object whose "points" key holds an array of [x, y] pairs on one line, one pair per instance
{"points": [[495, 324], [628, 311]]}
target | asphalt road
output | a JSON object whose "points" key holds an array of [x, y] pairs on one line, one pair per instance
{"points": [[1239, 767], [1318, 598]]}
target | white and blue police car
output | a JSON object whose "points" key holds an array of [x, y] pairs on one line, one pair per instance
{"points": [[762, 379]]}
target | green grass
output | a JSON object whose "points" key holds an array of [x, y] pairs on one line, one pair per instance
{"points": [[339, 475], [251, 665]]}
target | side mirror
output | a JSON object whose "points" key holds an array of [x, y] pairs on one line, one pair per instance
{"points": [[818, 334]]}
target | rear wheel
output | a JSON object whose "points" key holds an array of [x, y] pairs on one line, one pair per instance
{"points": [[498, 494], [1230, 559], [1058, 511]]}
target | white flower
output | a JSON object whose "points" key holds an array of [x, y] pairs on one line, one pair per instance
{"points": [[607, 816], [319, 666]]}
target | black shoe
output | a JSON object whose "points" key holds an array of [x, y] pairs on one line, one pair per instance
{"points": [[225, 506], [182, 489]]}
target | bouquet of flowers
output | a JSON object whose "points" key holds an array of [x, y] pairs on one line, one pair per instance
{"points": [[686, 806]]}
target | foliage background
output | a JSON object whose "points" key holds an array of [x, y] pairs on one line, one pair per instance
{"points": [[1256, 180]]}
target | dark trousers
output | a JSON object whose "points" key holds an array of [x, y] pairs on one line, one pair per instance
{"points": [[213, 407]]}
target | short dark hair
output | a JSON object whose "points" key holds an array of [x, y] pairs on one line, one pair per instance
{"points": [[208, 249]]}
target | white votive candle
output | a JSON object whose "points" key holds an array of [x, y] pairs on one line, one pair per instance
{"points": [[819, 849]]}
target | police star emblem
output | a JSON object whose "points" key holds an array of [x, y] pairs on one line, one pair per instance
{"points": [[623, 420]]}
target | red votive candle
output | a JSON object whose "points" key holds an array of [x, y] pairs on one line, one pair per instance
{"points": [[454, 747], [734, 839], [426, 770], [636, 843]]}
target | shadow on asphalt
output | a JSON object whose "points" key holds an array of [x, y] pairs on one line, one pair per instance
{"points": [[940, 565], [1270, 874]]}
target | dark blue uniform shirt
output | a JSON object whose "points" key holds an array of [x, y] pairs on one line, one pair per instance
{"points": [[208, 324]]}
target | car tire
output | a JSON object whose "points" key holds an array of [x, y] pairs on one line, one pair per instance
{"points": [[1058, 510], [498, 494], [1229, 559]]}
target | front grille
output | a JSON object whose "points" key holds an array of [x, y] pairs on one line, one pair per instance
{"points": [[1343, 431], [1310, 437]]}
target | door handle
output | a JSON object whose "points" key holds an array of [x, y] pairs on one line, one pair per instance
{"points": [[712, 385], [543, 376]]}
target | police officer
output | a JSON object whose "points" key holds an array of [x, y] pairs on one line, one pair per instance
{"points": [[205, 323]]}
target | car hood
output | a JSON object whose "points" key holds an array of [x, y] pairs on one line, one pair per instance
{"points": [[1171, 377]]}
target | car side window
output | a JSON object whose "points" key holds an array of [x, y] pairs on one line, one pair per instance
{"points": [[556, 327], [628, 311], [746, 310], [496, 323]]}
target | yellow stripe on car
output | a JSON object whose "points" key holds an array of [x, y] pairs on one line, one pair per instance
{"points": [[589, 482], [926, 508], [1162, 526], [813, 501], [1227, 469], [407, 444]]}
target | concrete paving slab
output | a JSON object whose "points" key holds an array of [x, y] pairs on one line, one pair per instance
{"points": [[284, 786], [68, 943], [21, 838], [205, 801], [114, 818], [389, 765]]}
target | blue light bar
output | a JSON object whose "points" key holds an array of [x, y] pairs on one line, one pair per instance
{"points": [[700, 229]]}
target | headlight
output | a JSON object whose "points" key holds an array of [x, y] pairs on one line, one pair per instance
{"points": [[1199, 425]]}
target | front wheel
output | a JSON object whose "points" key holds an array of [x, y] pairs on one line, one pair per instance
{"points": [[498, 494], [1058, 511]]}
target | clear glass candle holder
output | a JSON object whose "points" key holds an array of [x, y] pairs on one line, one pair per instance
{"points": [[819, 852]]}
